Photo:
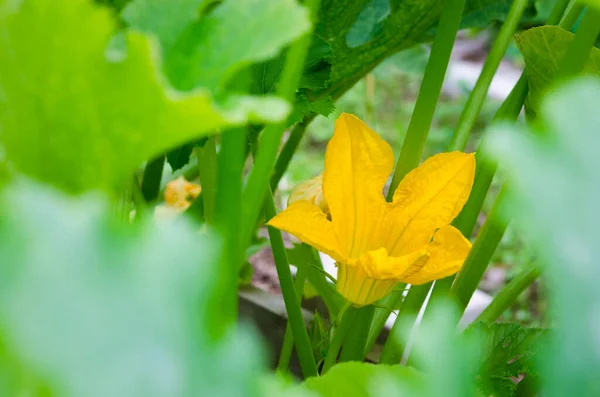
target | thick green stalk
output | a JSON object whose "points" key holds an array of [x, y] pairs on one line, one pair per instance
{"points": [[509, 294], [572, 15], [207, 167], [558, 11], [288, 150], [292, 305], [579, 49], [480, 255], [353, 348], [396, 341], [347, 319], [391, 302], [258, 180], [420, 122], [475, 101], [288, 338], [152, 177], [227, 213]]}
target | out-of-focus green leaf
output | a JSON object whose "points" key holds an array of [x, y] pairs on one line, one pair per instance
{"points": [[209, 51], [543, 48], [556, 186], [82, 111], [245, 274], [92, 308], [180, 157], [354, 379], [503, 351]]}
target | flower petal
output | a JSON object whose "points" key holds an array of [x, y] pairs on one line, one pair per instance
{"points": [[428, 198], [357, 165], [356, 286], [310, 225], [379, 265], [447, 251]]}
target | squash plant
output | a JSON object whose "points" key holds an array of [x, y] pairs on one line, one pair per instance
{"points": [[99, 297]]}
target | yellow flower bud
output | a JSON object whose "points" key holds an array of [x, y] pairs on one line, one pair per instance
{"points": [[311, 191], [180, 193]]}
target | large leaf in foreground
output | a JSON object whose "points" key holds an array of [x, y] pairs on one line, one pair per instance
{"points": [[82, 111], [543, 49], [91, 308], [356, 379], [557, 191]]}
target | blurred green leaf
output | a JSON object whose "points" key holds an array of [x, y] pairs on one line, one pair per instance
{"points": [[503, 351], [180, 157], [354, 379], [95, 108], [554, 174], [95, 308], [543, 48], [209, 51], [245, 274]]}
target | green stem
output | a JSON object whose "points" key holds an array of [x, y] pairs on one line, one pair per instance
{"points": [[292, 306], [578, 51], [288, 338], [557, 12], [207, 167], [396, 341], [416, 135], [572, 15], [227, 213], [475, 101], [347, 319], [152, 177], [264, 161], [353, 348], [288, 150], [391, 302], [481, 253], [509, 294]]}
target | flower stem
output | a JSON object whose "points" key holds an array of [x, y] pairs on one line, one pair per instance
{"points": [[578, 51], [391, 302], [288, 338], [353, 348], [475, 101], [431, 87], [347, 315], [151, 179], [480, 255], [207, 167], [396, 341], [227, 212], [572, 15], [264, 161], [288, 150], [509, 294], [292, 306]]}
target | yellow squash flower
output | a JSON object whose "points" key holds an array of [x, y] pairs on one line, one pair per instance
{"points": [[311, 191], [375, 243]]}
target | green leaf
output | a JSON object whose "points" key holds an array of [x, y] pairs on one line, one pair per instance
{"points": [[503, 351], [354, 379], [362, 33], [555, 180], [96, 308], [82, 108], [180, 157], [543, 48], [209, 51]]}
